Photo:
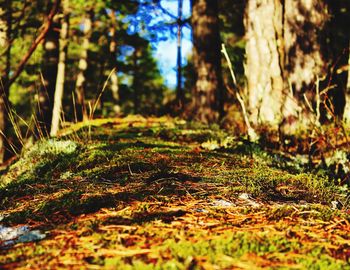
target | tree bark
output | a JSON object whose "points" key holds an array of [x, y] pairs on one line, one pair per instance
{"points": [[304, 23], [59, 90], [293, 54], [207, 97], [80, 87], [263, 22]]}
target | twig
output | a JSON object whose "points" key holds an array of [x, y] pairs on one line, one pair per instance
{"points": [[318, 101], [251, 132], [93, 109], [130, 171]]}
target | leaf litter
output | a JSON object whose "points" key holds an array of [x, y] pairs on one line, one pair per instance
{"points": [[141, 193]]}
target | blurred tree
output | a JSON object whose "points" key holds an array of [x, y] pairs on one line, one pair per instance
{"points": [[32, 24], [113, 60], [80, 89], [48, 77], [294, 49], [142, 84], [232, 32], [180, 23], [208, 91], [162, 23], [337, 51], [263, 70], [303, 61], [59, 88]]}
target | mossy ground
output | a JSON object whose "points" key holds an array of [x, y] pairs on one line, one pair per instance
{"points": [[160, 193]]}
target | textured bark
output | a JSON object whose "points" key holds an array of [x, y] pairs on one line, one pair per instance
{"points": [[290, 45], [83, 66], [5, 49], [315, 47], [263, 22], [59, 89], [304, 23], [208, 90], [49, 75]]}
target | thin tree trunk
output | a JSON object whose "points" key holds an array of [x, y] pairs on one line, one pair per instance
{"points": [[348, 83], [179, 90], [5, 37], [347, 105], [49, 75], [136, 84], [208, 91], [57, 108], [113, 58], [80, 87], [263, 71]]}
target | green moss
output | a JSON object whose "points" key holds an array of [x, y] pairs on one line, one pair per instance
{"points": [[147, 186]]}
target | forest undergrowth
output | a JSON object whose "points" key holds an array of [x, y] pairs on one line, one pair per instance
{"points": [[161, 193]]}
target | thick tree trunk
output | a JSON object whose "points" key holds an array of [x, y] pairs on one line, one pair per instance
{"points": [[57, 108], [208, 91], [263, 22], [49, 75], [113, 59], [338, 53], [304, 23], [5, 50], [292, 59], [80, 87]]}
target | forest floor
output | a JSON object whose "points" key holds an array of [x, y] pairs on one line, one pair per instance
{"points": [[160, 193]]}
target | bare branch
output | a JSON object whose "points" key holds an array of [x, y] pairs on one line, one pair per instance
{"points": [[46, 26]]}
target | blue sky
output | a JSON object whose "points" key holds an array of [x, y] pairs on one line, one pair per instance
{"points": [[166, 50]]}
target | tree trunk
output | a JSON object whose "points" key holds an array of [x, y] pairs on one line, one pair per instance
{"points": [[113, 58], [80, 87], [303, 28], [57, 108], [208, 91], [293, 53], [136, 82], [5, 49], [338, 38], [347, 105], [49, 74], [263, 22], [179, 90]]}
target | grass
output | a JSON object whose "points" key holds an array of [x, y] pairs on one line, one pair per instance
{"points": [[141, 193]]}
